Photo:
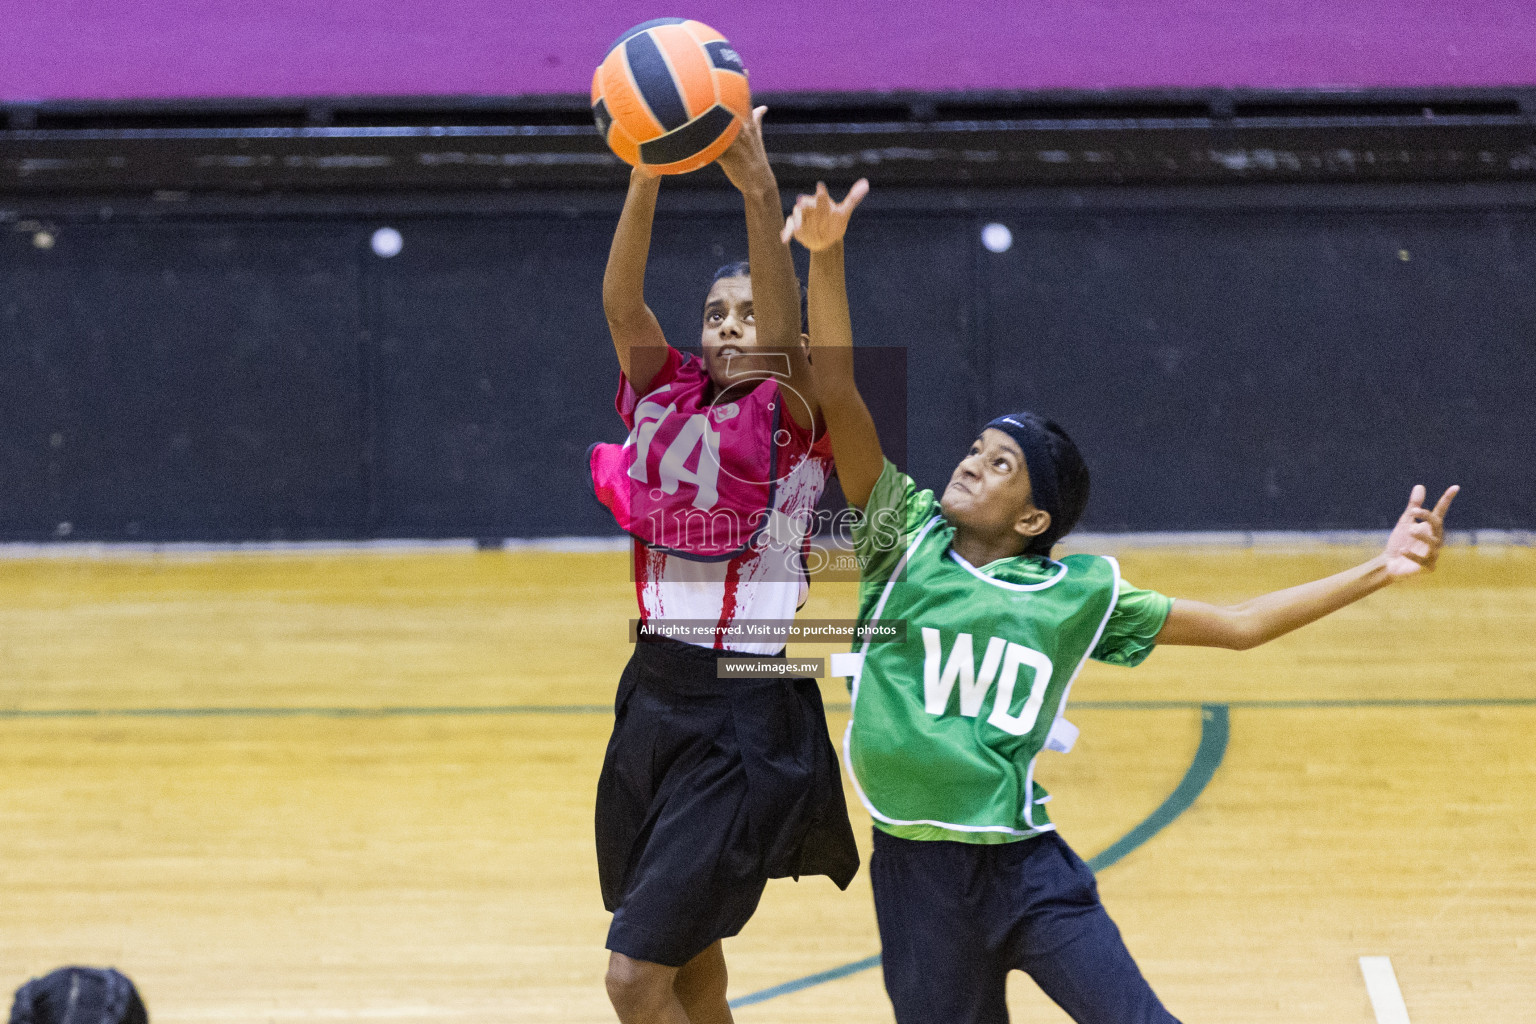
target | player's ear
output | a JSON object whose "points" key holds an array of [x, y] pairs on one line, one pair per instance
{"points": [[1032, 523], [805, 344]]}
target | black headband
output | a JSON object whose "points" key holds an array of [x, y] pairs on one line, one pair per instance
{"points": [[1033, 441]]}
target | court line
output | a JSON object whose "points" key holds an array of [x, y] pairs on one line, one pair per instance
{"points": [[492, 710], [1215, 730], [1381, 985], [1339, 702], [810, 980]]}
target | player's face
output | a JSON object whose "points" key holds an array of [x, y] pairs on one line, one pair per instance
{"points": [[989, 491], [730, 332]]}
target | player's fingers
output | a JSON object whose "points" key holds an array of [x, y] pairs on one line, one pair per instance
{"points": [[789, 230], [1414, 507], [757, 116], [1424, 515], [855, 196], [1444, 504], [797, 212]]}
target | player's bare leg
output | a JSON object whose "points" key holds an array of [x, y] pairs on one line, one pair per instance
{"points": [[641, 992], [700, 987], [647, 993]]}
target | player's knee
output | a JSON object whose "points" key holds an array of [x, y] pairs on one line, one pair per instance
{"points": [[635, 987], [702, 985]]}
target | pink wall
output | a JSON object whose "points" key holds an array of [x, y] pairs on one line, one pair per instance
{"points": [[111, 49]]}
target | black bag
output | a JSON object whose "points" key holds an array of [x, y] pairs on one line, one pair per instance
{"points": [[79, 995]]}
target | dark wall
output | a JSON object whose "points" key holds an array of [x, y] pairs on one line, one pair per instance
{"points": [[1277, 369], [181, 380], [1227, 359]]}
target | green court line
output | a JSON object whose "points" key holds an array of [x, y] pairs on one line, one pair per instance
{"points": [[763, 995], [493, 710], [1340, 702], [1392, 702], [314, 712], [1215, 729]]}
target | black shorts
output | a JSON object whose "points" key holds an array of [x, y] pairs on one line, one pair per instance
{"points": [[710, 787], [955, 918]]}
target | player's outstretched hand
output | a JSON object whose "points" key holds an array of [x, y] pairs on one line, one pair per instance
{"points": [[1416, 539], [817, 222], [745, 161]]}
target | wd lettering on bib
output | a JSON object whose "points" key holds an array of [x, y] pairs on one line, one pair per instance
{"points": [[1001, 656]]}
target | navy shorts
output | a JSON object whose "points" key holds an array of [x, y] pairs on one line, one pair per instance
{"points": [[955, 918]]}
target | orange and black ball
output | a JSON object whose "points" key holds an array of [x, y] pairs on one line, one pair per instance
{"points": [[670, 94]]}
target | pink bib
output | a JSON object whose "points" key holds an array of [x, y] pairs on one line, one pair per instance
{"points": [[692, 479]]}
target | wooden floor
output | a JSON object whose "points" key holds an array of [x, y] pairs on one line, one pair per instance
{"points": [[238, 838]]}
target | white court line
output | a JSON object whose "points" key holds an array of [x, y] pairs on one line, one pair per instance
{"points": [[1381, 986]]}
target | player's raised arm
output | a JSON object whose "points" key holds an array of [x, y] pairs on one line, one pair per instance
{"points": [[775, 294], [819, 224], [1413, 547], [637, 337]]}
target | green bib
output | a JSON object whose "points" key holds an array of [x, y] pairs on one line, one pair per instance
{"points": [[947, 724]]}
